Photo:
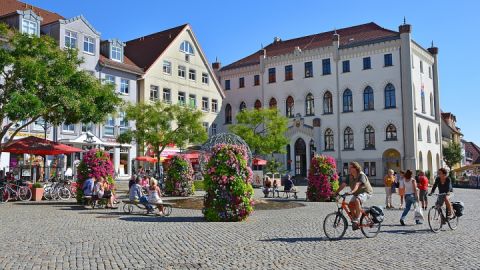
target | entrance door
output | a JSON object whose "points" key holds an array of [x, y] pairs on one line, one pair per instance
{"points": [[391, 160], [300, 158]]}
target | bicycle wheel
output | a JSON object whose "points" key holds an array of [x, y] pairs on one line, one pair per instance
{"points": [[167, 210], [369, 228], [24, 193], [63, 193], [4, 195], [335, 226], [453, 223], [435, 219]]}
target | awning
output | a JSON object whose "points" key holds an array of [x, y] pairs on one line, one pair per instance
{"points": [[38, 146], [259, 162]]}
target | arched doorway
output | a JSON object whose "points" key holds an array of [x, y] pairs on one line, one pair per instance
{"points": [[430, 164], [420, 161], [391, 160], [300, 158]]}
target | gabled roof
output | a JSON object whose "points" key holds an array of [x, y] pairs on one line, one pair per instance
{"points": [[84, 20], [349, 36], [145, 50], [11, 6], [127, 64]]}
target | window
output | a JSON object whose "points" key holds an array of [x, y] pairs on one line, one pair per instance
{"points": [[326, 66], [205, 78], [367, 63], [214, 105], [309, 105], [346, 66], [213, 129], [289, 106], [345, 169], [116, 53], [243, 106], [373, 169], [347, 101], [329, 140], [181, 98], [241, 82], [167, 95], [288, 73], [227, 84], [109, 128], [271, 75], [89, 44], [109, 79], [70, 39], [369, 137], [256, 80], [273, 103], [308, 69], [430, 72], [153, 92], [228, 114], [436, 136], [258, 104], [192, 101], [327, 103], [419, 132], [205, 104], [429, 138], [390, 96], [421, 66], [123, 123], [87, 127], [432, 107], [368, 102], [348, 139], [205, 126], [192, 74], [124, 85], [186, 47], [68, 128], [391, 133], [422, 94], [167, 67], [366, 168], [181, 71], [29, 27], [387, 59]]}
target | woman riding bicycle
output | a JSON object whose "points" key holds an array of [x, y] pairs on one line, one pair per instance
{"points": [[444, 185]]}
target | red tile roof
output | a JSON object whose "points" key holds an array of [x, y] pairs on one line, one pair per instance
{"points": [[127, 64], [10, 6], [348, 36], [145, 50]]}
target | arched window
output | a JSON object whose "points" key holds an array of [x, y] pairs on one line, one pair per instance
{"points": [[391, 133], [273, 103], [423, 101], [243, 106], [368, 103], [228, 114], [289, 105], [347, 101], [436, 136], [258, 104], [328, 140], [420, 161], [432, 107], [369, 137], [429, 139], [419, 132], [327, 103], [186, 47], [348, 138], [309, 105], [390, 96]]}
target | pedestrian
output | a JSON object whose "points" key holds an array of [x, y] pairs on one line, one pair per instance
{"points": [[411, 195], [423, 189], [401, 187], [389, 181]]}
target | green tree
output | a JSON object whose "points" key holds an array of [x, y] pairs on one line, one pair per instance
{"points": [[160, 124], [452, 154], [40, 80], [263, 130]]}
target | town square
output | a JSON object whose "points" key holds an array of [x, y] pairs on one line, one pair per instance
{"points": [[208, 136]]}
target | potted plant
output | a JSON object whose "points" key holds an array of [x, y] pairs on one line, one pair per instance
{"points": [[37, 192]]}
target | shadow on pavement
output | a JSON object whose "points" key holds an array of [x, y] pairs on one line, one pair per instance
{"points": [[43, 203], [162, 219], [306, 239], [422, 231]]}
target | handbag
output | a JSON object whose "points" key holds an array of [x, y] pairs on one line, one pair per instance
{"points": [[418, 213], [394, 189]]}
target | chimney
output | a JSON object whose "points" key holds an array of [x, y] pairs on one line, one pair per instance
{"points": [[216, 65], [276, 40], [433, 50], [405, 28]]}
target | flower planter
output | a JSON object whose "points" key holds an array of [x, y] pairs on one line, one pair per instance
{"points": [[37, 194]]}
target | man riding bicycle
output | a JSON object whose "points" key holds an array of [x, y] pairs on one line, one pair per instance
{"points": [[360, 188], [444, 185]]}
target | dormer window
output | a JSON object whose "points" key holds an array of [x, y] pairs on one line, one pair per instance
{"points": [[29, 27], [187, 48], [89, 45], [70, 39], [116, 53]]}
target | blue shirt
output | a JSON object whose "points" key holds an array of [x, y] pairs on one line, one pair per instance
{"points": [[88, 187], [135, 192]]}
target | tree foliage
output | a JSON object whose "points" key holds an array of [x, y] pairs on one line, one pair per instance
{"points": [[452, 154], [262, 129], [38, 79]]}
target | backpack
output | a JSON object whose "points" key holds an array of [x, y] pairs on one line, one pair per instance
{"points": [[458, 208], [377, 214]]}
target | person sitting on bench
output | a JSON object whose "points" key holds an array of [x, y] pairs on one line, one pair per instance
{"points": [[287, 187], [88, 186], [267, 186], [135, 194], [154, 194]]}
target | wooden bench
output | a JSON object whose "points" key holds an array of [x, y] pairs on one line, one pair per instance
{"points": [[287, 193], [128, 206]]}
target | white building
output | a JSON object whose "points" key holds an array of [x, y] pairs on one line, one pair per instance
{"points": [[362, 93]]}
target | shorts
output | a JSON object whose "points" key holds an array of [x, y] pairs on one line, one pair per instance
{"points": [[401, 191], [363, 197], [423, 195]]}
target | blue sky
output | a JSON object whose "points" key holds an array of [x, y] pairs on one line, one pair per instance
{"points": [[231, 30]]}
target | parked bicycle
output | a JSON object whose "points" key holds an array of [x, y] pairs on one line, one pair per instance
{"points": [[335, 224], [437, 215], [13, 191]]}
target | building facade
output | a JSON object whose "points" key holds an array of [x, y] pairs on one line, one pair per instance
{"points": [[362, 93]]}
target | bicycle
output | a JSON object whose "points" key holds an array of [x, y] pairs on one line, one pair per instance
{"points": [[15, 191], [338, 222], [437, 215]]}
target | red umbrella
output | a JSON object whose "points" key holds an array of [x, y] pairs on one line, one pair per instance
{"points": [[147, 159], [37, 146]]}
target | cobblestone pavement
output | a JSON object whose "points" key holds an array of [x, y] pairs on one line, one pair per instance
{"points": [[62, 235]]}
